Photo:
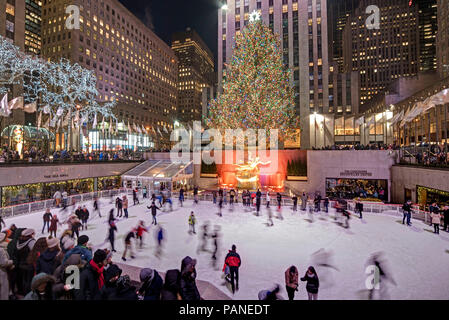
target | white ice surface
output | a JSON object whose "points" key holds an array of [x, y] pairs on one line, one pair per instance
{"points": [[417, 258]]}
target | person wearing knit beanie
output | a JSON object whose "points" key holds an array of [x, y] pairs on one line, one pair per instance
{"points": [[52, 243]]}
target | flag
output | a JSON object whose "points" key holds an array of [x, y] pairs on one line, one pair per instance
{"points": [[165, 129], [59, 125], [31, 107], [53, 122], [77, 117], [60, 112], [94, 124], [102, 126], [16, 103], [371, 121], [129, 128], [47, 124], [39, 119], [159, 131], [4, 107], [83, 119], [47, 109], [144, 130], [138, 129]]}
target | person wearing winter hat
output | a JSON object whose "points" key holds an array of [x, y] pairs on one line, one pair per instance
{"points": [[124, 290], [313, 283], [82, 249], [41, 288], [68, 245], [92, 278], [189, 290], [170, 289], [50, 259], [54, 225], [5, 265], [25, 269], [111, 276], [151, 284]]}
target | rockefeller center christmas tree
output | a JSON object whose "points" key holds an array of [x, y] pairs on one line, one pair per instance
{"points": [[257, 89]]}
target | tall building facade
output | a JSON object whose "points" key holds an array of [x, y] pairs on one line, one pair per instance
{"points": [[384, 54], [20, 23], [443, 38], [132, 65], [302, 27], [428, 27], [338, 13], [196, 72]]}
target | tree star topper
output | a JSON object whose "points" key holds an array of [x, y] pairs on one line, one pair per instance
{"points": [[254, 16]]}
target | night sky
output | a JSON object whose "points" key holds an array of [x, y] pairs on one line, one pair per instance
{"points": [[165, 17]]}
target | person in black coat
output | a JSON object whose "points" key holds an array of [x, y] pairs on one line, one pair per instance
{"points": [[111, 275], [111, 237], [124, 290], [171, 288], [313, 283], [279, 199], [151, 284], [446, 217], [92, 278], [295, 203], [258, 200], [50, 259], [153, 209], [119, 206], [189, 290]]}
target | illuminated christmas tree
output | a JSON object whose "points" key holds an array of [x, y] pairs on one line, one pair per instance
{"points": [[257, 88]]}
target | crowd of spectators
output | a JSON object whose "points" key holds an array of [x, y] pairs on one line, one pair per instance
{"points": [[373, 146], [35, 155]]}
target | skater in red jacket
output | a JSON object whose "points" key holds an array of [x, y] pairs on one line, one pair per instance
{"points": [[233, 261]]}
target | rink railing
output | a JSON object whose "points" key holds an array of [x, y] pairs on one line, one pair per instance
{"points": [[368, 207]]}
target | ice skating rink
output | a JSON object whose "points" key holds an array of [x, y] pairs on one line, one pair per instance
{"points": [[417, 259]]}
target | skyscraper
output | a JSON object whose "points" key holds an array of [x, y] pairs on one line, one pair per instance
{"points": [[131, 63], [384, 54], [196, 71], [428, 27], [443, 38], [20, 23]]}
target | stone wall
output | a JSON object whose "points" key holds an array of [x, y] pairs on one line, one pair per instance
{"points": [[408, 177], [29, 174]]}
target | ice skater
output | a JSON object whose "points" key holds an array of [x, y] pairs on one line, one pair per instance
{"points": [[119, 206], [231, 197], [233, 261], [220, 205], [304, 201], [436, 220], [111, 236], [192, 223], [258, 201], [295, 203], [125, 206], [135, 197], [407, 210], [153, 209], [128, 244], [139, 234], [181, 196], [46, 217], [279, 199], [270, 222], [54, 225], [160, 236], [195, 194], [382, 276], [267, 199], [215, 237], [313, 283], [97, 206], [204, 236], [326, 204], [84, 217]]}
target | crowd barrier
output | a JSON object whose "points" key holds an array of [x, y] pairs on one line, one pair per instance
{"points": [[368, 207]]}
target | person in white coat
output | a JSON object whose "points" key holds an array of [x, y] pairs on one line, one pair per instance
{"points": [[436, 220], [5, 265]]}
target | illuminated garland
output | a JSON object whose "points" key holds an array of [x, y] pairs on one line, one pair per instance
{"points": [[257, 89]]}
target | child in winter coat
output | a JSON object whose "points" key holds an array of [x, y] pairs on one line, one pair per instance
{"points": [[313, 283], [192, 222], [54, 225]]}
